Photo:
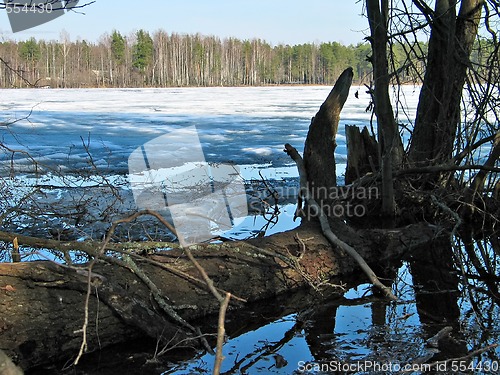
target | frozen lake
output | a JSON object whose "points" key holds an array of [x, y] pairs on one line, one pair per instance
{"points": [[246, 126]]}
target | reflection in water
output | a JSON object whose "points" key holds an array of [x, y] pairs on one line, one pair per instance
{"points": [[297, 334], [478, 261], [363, 327], [436, 293], [481, 265]]}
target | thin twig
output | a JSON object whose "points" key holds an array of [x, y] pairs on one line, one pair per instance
{"points": [[221, 332]]}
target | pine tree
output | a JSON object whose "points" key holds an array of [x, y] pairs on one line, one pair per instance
{"points": [[143, 51], [29, 50], [118, 47]]}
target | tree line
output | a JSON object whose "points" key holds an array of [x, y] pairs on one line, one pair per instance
{"points": [[163, 60]]}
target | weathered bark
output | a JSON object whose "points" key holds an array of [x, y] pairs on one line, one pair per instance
{"points": [[362, 153], [319, 149], [42, 309], [438, 112]]}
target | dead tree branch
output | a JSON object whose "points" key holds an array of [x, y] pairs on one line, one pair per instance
{"points": [[320, 145], [221, 333]]}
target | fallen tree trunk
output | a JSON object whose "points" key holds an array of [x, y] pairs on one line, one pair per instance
{"points": [[42, 304]]}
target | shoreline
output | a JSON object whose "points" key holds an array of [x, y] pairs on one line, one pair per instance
{"points": [[195, 87]]}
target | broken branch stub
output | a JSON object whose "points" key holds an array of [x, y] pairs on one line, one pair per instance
{"points": [[319, 150]]}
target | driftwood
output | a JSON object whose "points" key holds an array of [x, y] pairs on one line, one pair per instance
{"points": [[41, 309]]}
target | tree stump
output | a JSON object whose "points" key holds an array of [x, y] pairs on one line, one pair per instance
{"points": [[362, 153], [319, 150]]}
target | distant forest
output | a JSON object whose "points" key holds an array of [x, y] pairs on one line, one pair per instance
{"points": [[166, 60]]}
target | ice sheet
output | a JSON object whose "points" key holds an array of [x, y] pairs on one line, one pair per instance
{"points": [[243, 125]]}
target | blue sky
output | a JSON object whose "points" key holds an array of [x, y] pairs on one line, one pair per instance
{"points": [[277, 21]]}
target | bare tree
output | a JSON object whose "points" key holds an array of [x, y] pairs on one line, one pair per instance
{"points": [[457, 108]]}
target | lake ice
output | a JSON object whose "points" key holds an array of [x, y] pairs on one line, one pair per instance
{"points": [[244, 125], [83, 132]]}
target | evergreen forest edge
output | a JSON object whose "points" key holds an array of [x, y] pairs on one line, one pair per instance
{"points": [[178, 60]]}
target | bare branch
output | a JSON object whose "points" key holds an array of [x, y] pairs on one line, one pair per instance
{"points": [[221, 332]]}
